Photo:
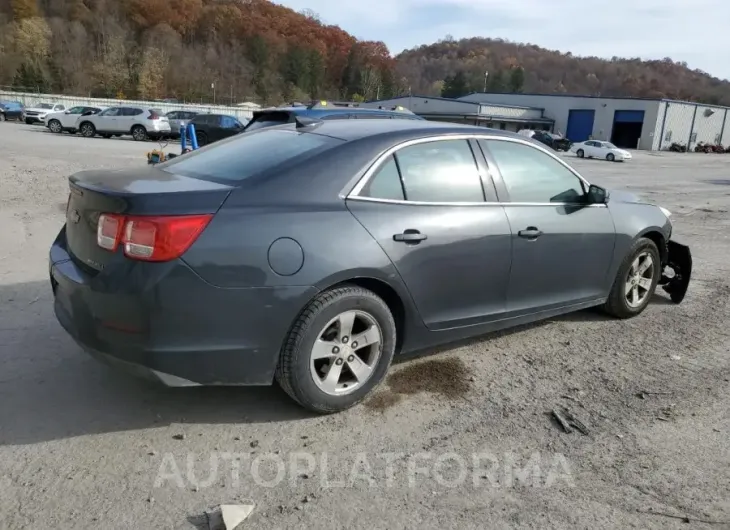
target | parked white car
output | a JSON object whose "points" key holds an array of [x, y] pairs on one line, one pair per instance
{"points": [[139, 122], [58, 122], [38, 112], [600, 149]]}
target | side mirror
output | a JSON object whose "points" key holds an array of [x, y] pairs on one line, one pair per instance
{"points": [[597, 195], [67, 112]]}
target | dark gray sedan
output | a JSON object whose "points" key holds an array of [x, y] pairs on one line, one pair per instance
{"points": [[313, 253]]}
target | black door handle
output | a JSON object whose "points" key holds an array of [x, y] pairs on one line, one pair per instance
{"points": [[530, 232], [410, 236]]}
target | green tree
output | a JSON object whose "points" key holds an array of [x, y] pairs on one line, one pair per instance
{"points": [[517, 79], [455, 86], [495, 82]]}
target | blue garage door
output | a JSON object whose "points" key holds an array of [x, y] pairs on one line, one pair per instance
{"points": [[628, 116], [580, 124]]}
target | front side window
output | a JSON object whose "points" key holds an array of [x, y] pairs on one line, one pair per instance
{"points": [[440, 171], [76, 110], [532, 175], [229, 122]]}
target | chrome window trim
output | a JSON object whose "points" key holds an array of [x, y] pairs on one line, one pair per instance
{"points": [[380, 160], [423, 203]]}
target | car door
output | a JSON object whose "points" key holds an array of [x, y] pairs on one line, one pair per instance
{"points": [[562, 246], [426, 205], [106, 121]]}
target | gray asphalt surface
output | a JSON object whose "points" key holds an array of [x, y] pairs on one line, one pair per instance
{"points": [[461, 438]]}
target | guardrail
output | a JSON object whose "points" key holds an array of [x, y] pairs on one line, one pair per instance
{"points": [[30, 98]]}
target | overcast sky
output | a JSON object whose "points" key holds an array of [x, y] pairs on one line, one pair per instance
{"points": [[697, 32]]}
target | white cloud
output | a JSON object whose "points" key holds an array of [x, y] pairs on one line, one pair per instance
{"points": [[694, 32]]}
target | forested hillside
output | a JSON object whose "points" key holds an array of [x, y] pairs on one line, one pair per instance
{"points": [[233, 50], [453, 68]]}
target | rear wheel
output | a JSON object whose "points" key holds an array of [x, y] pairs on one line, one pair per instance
{"points": [[87, 130], [55, 126], [580, 153], [338, 350], [610, 157], [635, 281], [139, 133], [202, 138]]}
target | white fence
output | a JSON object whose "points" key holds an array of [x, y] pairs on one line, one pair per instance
{"points": [[30, 98]]}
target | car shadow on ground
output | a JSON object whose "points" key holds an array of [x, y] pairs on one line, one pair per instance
{"points": [[50, 389]]}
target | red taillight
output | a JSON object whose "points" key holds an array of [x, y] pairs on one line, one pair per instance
{"points": [[160, 238]]}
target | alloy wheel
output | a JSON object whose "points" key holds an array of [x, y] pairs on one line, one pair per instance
{"points": [[346, 352], [639, 280], [55, 126]]}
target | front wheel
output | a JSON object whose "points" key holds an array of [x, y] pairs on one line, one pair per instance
{"points": [[580, 153], [635, 281], [55, 126], [610, 157], [202, 139], [338, 350]]}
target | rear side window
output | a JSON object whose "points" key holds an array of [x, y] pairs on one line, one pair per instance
{"points": [[441, 171], [246, 155], [386, 183]]}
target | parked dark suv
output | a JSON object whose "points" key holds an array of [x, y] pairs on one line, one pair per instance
{"points": [[11, 110]]}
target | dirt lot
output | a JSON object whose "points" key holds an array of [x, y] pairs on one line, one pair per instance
{"points": [[460, 438]]}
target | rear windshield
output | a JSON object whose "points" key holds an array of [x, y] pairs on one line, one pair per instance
{"points": [[244, 155]]}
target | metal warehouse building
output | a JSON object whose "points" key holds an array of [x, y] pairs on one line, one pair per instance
{"points": [[486, 114], [649, 124]]}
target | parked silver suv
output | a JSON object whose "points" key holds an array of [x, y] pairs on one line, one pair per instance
{"points": [[140, 122]]}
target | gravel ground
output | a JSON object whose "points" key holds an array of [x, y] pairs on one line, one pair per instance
{"points": [[460, 438]]}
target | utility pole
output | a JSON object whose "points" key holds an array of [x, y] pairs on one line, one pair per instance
{"points": [[212, 85], [486, 76]]}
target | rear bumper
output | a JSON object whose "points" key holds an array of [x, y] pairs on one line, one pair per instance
{"points": [[162, 321], [679, 261]]}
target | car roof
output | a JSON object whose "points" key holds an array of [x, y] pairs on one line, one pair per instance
{"points": [[321, 111], [357, 129]]}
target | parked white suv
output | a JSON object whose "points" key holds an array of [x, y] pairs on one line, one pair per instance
{"points": [[58, 122], [140, 122], [37, 113]]}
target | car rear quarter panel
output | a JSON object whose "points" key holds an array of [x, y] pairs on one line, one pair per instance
{"points": [[633, 221]]}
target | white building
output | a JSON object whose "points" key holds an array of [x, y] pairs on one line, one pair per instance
{"points": [[498, 116], [650, 124]]}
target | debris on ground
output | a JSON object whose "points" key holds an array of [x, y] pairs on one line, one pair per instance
{"points": [[178, 436], [683, 518], [228, 516], [568, 421], [255, 443]]}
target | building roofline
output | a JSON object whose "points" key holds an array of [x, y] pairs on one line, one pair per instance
{"points": [[485, 117], [696, 104], [554, 95], [454, 100]]}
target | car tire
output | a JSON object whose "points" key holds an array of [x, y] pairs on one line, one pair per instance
{"points": [[304, 377], [611, 157], [139, 133], [55, 126], [580, 153], [618, 303], [87, 129], [28, 122], [202, 138]]}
